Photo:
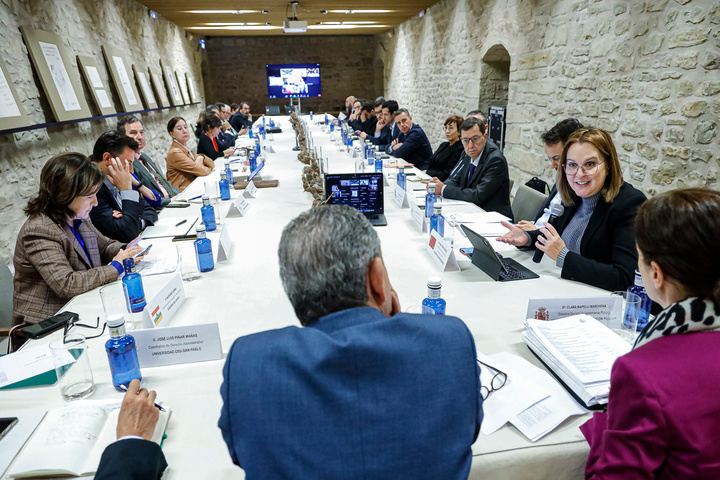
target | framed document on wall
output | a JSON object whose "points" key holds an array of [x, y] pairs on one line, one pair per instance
{"points": [[145, 89], [162, 97], [120, 73], [172, 85], [59, 80], [183, 87], [192, 89], [12, 113], [100, 93]]}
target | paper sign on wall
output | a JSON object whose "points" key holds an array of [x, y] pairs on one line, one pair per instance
{"points": [[555, 308], [400, 196], [172, 345], [239, 207], [441, 252], [165, 304]]}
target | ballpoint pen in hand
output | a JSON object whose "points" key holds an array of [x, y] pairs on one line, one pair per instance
{"points": [[159, 407]]}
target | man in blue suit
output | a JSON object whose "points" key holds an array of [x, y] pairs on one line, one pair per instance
{"points": [[412, 145], [386, 129], [361, 390]]}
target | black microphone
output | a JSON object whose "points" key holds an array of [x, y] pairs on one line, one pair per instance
{"points": [[556, 211]]}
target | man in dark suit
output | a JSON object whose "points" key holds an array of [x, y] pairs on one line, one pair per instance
{"points": [[145, 168], [133, 456], [362, 387], [412, 145], [386, 129], [482, 176], [241, 121], [122, 211]]}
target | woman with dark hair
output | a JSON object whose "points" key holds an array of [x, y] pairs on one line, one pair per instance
{"points": [[448, 153], [592, 241], [184, 166], [663, 413], [59, 254], [208, 142]]}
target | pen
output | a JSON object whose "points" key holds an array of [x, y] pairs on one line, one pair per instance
{"points": [[180, 223], [159, 407], [195, 198], [191, 226]]}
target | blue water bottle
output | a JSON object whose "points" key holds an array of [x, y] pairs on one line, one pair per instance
{"points": [[437, 221], [229, 175], [371, 156], [326, 119], [250, 132], [400, 180], [224, 187], [430, 200], [122, 353], [133, 287], [332, 127], [208, 214], [378, 165], [203, 250], [645, 303], [252, 161], [434, 304]]}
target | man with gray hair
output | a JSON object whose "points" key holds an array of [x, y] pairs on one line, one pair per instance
{"points": [[361, 390]]}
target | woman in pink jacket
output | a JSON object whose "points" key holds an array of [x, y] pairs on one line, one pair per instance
{"points": [[663, 418]]}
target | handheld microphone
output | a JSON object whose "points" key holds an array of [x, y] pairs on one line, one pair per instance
{"points": [[556, 211]]}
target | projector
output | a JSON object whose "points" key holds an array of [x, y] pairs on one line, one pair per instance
{"points": [[294, 26]]}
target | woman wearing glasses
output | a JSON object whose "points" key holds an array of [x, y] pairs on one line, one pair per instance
{"points": [[448, 153], [59, 254], [592, 241], [663, 413]]}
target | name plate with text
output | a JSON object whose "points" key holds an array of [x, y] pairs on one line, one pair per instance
{"points": [[555, 308], [441, 252], [161, 308], [172, 345], [418, 218], [400, 196], [251, 190], [239, 207]]}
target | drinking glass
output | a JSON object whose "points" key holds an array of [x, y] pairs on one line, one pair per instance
{"points": [[72, 366], [623, 315]]}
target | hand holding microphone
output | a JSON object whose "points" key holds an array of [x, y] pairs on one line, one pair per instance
{"points": [[550, 237]]}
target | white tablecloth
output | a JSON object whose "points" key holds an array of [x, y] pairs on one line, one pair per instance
{"points": [[244, 295]]}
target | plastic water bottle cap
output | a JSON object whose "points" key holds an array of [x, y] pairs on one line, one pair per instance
{"points": [[431, 185], [115, 321], [200, 228], [434, 282]]}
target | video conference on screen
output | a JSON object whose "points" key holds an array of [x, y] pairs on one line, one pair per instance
{"points": [[298, 80], [360, 193]]}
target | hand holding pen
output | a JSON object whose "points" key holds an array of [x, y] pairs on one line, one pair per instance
{"points": [[139, 412]]}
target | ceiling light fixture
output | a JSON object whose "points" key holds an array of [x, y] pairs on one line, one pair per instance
{"points": [[234, 12], [360, 11]]}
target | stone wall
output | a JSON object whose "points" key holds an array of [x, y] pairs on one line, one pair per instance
{"points": [[646, 71], [84, 25], [235, 68]]}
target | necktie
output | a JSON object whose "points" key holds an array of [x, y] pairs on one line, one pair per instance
{"points": [[163, 191], [470, 174]]}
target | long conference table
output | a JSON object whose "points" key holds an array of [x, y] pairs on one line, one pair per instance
{"points": [[244, 295]]}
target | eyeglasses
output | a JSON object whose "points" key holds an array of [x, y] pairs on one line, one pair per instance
{"points": [[476, 140], [589, 168], [71, 323], [496, 383]]}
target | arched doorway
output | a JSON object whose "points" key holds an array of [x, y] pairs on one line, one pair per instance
{"points": [[494, 85]]}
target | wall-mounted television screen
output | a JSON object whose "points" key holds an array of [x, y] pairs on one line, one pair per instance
{"points": [[296, 80]]}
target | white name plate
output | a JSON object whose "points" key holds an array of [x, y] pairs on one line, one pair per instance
{"points": [[251, 190], [418, 217], [239, 207], [172, 345], [555, 308], [220, 244], [165, 304], [441, 252], [400, 196]]}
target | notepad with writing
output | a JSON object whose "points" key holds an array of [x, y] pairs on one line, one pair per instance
{"points": [[71, 440]]}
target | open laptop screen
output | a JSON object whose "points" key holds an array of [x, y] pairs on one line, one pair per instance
{"points": [[362, 191]]}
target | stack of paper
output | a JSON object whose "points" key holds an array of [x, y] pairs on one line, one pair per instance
{"points": [[486, 224], [580, 351], [531, 399]]}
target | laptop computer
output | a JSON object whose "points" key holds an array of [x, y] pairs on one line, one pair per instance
{"points": [[362, 191], [489, 261]]}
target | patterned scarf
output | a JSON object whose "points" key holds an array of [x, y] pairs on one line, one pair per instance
{"points": [[687, 316]]}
